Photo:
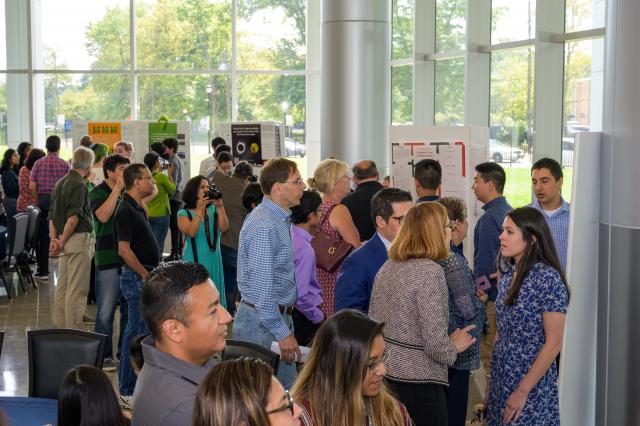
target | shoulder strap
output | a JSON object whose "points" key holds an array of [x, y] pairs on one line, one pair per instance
{"points": [[193, 239], [325, 217]]}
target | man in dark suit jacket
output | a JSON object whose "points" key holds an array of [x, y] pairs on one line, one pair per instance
{"points": [[365, 176], [358, 271]]}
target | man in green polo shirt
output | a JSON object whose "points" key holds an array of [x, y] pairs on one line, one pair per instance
{"points": [[71, 229], [104, 200]]}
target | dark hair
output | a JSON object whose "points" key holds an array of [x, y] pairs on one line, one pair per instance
{"points": [[222, 148], [381, 203], [234, 392], [428, 173], [171, 143], [493, 172], [131, 173], [309, 203], [53, 143], [22, 148], [223, 157], [112, 162], [165, 293], [540, 248], [158, 148], [151, 159], [6, 159], [252, 194], [369, 170], [190, 192], [34, 155], [135, 352], [215, 142], [243, 170], [86, 397], [548, 163], [276, 170]]}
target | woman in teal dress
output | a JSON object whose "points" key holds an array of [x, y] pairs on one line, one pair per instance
{"points": [[202, 220]]}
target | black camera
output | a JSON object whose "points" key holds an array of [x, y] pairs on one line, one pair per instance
{"points": [[213, 193], [253, 178]]}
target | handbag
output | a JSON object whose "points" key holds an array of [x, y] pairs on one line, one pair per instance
{"points": [[330, 251]]}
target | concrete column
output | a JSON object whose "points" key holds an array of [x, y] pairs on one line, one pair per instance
{"points": [[356, 79], [618, 357], [17, 88], [424, 71], [477, 76]]}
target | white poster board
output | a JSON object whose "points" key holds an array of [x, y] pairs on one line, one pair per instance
{"points": [[458, 149], [254, 142], [137, 133]]}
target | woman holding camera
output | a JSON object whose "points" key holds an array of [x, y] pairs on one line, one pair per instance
{"points": [[202, 220], [158, 207]]}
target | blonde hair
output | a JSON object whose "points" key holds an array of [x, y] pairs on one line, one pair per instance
{"points": [[327, 174], [422, 234], [456, 210]]}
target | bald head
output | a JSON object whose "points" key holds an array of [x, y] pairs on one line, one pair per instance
{"points": [[365, 171]]}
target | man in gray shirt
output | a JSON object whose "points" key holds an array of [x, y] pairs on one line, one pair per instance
{"points": [[188, 326], [175, 203]]}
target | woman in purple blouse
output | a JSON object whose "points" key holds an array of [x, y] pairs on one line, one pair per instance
{"points": [[307, 315]]}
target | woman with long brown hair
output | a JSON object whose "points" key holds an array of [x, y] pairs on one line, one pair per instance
{"points": [[410, 295], [341, 382], [243, 392], [530, 311]]}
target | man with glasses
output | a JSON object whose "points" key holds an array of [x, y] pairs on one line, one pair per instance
{"points": [[139, 253], [266, 277], [358, 271]]}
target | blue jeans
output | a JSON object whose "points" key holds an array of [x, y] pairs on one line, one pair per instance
{"points": [[159, 227], [107, 298], [230, 269], [247, 327], [130, 287]]}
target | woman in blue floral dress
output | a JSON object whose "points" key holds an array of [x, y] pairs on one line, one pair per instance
{"points": [[530, 310]]}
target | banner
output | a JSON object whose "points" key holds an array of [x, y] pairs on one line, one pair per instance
{"points": [[106, 133]]}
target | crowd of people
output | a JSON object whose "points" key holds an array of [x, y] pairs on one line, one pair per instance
{"points": [[395, 315]]}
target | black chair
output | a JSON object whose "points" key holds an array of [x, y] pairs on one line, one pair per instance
{"points": [[237, 349], [30, 244], [16, 245], [52, 353], [1, 341]]}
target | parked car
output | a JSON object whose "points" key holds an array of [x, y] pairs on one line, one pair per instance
{"points": [[504, 153], [294, 149]]}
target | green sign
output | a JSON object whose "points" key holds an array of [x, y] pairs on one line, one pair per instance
{"points": [[161, 130]]}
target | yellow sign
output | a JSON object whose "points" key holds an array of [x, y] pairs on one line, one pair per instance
{"points": [[106, 133]]}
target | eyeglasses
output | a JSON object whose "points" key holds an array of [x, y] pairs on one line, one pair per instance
{"points": [[398, 218], [287, 406], [373, 367], [299, 181]]}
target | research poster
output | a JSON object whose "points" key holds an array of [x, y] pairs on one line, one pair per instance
{"points": [[246, 143], [107, 133]]}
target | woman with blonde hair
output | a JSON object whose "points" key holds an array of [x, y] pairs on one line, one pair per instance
{"points": [[243, 392], [341, 382], [331, 178], [410, 295]]}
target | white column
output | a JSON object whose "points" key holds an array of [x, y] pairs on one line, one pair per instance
{"points": [[477, 65], [17, 88], [314, 84], [356, 79], [424, 71]]}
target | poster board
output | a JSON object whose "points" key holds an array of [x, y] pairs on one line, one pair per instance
{"points": [[254, 142], [458, 149], [140, 133]]}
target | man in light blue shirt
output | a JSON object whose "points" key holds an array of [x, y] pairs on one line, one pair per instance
{"points": [[266, 276], [546, 179]]}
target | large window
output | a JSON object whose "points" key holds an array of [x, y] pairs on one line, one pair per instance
{"points": [[449, 95]]}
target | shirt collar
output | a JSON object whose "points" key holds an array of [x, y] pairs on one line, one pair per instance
{"points": [[301, 232], [165, 361], [565, 207], [387, 243], [427, 198], [494, 202], [281, 213]]}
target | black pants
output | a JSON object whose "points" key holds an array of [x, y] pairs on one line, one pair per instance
{"points": [[458, 396], [42, 248], [303, 329], [425, 402], [176, 236]]}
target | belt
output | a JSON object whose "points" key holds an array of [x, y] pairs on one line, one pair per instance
{"points": [[288, 310]]}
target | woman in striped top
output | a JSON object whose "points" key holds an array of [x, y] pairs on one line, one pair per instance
{"points": [[341, 382]]}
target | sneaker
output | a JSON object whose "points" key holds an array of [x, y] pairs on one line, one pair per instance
{"points": [[126, 402], [41, 277], [109, 365]]}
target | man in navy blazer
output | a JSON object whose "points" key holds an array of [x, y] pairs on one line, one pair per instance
{"points": [[358, 271]]}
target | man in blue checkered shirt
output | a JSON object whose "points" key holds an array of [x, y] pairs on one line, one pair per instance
{"points": [[546, 178], [266, 275]]}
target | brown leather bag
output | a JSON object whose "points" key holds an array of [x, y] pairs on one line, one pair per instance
{"points": [[330, 251]]}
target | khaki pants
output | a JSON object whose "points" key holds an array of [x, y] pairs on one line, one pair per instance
{"points": [[486, 341], [74, 274]]}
